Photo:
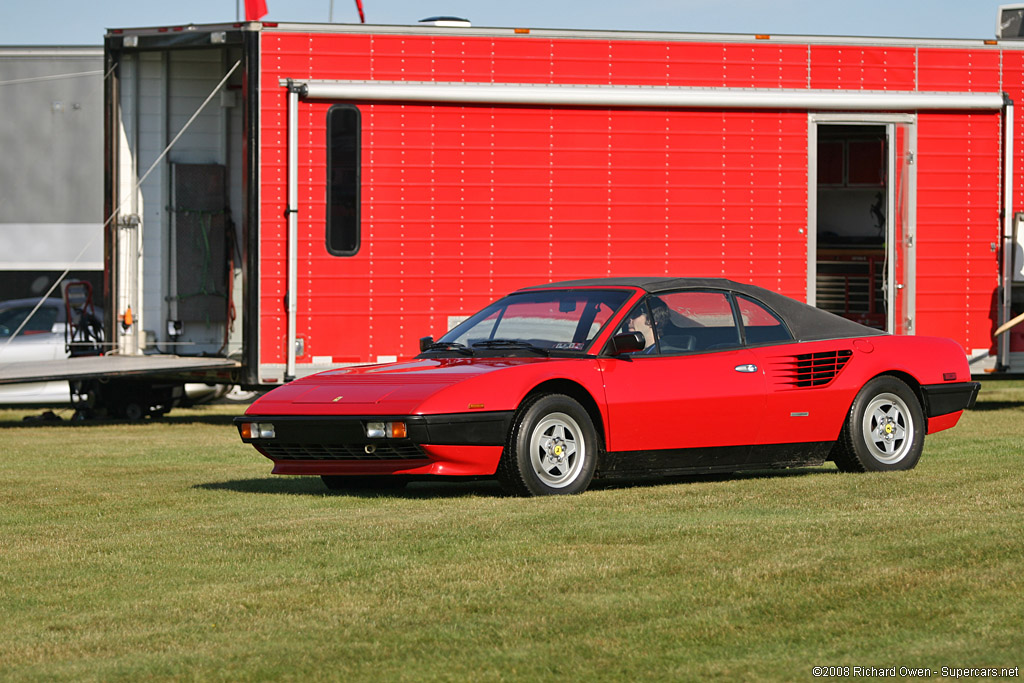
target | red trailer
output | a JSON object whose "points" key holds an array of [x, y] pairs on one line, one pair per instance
{"points": [[350, 189]]}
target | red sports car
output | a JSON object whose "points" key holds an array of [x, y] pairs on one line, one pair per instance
{"points": [[554, 385]]}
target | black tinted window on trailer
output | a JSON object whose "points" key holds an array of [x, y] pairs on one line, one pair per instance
{"points": [[343, 127]]}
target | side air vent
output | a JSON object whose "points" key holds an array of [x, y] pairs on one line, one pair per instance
{"points": [[810, 369]]}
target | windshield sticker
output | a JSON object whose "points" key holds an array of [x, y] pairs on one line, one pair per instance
{"points": [[573, 346]]}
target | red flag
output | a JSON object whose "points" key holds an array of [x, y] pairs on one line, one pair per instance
{"points": [[359, 6], [255, 9]]}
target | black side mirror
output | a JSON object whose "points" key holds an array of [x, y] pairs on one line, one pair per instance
{"points": [[426, 343], [628, 342]]}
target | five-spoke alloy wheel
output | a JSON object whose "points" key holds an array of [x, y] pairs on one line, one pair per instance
{"points": [[884, 429], [552, 448]]}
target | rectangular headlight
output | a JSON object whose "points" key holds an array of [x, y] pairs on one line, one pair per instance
{"points": [[376, 430]]}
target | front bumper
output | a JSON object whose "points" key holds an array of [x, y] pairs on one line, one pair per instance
{"points": [[456, 444], [943, 399]]}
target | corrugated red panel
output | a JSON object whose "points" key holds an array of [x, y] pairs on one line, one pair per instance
{"points": [[958, 220], [582, 61], [1013, 85], [950, 70], [850, 67], [463, 204]]}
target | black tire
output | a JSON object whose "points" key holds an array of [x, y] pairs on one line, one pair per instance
{"points": [[884, 430], [368, 482], [551, 449], [133, 411]]}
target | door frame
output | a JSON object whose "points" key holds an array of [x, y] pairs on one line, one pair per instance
{"points": [[903, 282]]}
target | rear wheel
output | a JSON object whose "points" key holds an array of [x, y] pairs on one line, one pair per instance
{"points": [[884, 429], [551, 450]]}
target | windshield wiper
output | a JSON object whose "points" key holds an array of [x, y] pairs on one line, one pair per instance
{"points": [[450, 346], [512, 344]]}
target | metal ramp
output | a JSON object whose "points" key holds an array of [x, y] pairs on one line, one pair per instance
{"points": [[182, 368]]}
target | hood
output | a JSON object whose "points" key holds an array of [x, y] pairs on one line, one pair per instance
{"points": [[362, 390]]}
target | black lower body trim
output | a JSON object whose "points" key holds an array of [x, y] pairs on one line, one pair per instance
{"points": [[458, 429], [943, 399], [715, 459]]}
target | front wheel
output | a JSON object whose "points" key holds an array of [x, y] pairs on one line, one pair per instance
{"points": [[884, 429], [552, 449]]}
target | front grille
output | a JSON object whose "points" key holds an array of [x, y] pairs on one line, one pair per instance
{"points": [[323, 451], [810, 369]]}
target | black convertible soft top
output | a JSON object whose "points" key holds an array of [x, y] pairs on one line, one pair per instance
{"points": [[807, 323]]}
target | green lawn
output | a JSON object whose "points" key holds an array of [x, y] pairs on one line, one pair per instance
{"points": [[166, 549]]}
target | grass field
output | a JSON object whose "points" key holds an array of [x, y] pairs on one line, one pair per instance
{"points": [[166, 549]]}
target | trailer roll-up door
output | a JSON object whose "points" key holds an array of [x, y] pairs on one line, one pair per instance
{"points": [[652, 97]]}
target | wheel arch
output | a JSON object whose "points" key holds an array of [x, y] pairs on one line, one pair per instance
{"points": [[579, 393], [907, 379]]}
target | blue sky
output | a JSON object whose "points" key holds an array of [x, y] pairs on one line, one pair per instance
{"points": [[73, 22]]}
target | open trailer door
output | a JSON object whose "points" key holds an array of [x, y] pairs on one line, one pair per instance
{"points": [[176, 193], [862, 217]]}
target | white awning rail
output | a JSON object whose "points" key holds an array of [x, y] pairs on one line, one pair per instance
{"points": [[641, 96]]}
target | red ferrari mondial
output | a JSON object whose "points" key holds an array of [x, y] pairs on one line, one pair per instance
{"points": [[554, 385]]}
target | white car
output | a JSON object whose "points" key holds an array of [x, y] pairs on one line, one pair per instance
{"points": [[42, 338]]}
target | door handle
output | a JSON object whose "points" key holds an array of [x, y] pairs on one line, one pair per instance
{"points": [[749, 367]]}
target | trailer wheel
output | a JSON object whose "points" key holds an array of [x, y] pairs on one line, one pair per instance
{"points": [[884, 430], [551, 450], [132, 411]]}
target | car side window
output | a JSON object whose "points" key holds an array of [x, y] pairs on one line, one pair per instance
{"points": [[694, 321], [760, 325]]}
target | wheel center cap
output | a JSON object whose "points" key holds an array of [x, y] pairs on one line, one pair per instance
{"points": [[556, 451]]}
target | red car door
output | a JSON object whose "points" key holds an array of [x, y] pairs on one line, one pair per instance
{"points": [[695, 387], [806, 400]]}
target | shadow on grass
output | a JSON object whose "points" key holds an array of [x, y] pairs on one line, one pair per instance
{"points": [[312, 486], [986, 406], [453, 488], [41, 422]]}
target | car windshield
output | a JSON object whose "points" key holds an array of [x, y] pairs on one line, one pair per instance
{"points": [[12, 318], [542, 321]]}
